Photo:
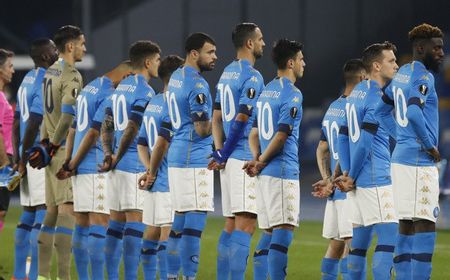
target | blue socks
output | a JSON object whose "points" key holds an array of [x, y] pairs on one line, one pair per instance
{"points": [[239, 250], [149, 260], [96, 249], [190, 242], [223, 264], [38, 220], [383, 257], [22, 243], [173, 246], [422, 253], [132, 244], [357, 257], [162, 259], [278, 258], [113, 248], [80, 251], [343, 269], [402, 259], [329, 269], [260, 266]]}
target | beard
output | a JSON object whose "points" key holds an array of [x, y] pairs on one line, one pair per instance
{"points": [[204, 66], [431, 63], [258, 54]]}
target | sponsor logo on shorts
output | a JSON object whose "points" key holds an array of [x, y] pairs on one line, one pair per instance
{"points": [[425, 177], [290, 197], [251, 197], [436, 212], [203, 183], [290, 207], [425, 189], [423, 212], [388, 217], [290, 185], [203, 194], [388, 205], [100, 197], [202, 172], [424, 201], [100, 208], [202, 205], [386, 194], [291, 219]]}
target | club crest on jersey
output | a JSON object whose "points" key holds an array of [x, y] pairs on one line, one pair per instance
{"points": [[199, 85], [423, 89], [254, 79], [296, 99], [294, 112], [251, 93], [201, 99]]}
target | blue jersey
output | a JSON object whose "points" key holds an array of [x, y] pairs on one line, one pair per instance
{"points": [[157, 123], [414, 85], [29, 97], [189, 100], [280, 109], [237, 91], [360, 109], [334, 118], [90, 113], [128, 102]]}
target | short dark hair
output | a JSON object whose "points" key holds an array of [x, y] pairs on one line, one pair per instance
{"points": [[66, 34], [38, 46], [352, 68], [424, 32], [374, 53], [283, 50], [242, 32], [4, 55], [141, 50], [168, 65], [195, 41]]}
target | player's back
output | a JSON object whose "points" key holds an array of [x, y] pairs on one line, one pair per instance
{"points": [[89, 111], [239, 86], [414, 83], [334, 118], [29, 99], [130, 98], [156, 119], [188, 99], [280, 108], [62, 82], [360, 108]]}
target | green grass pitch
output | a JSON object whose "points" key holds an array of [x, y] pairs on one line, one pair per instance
{"points": [[305, 252]]}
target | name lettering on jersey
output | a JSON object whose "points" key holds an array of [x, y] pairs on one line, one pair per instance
{"points": [[54, 72], [270, 94], [90, 89], [126, 88], [29, 80], [175, 83], [334, 112], [230, 75], [402, 78], [358, 94], [154, 108], [423, 89]]}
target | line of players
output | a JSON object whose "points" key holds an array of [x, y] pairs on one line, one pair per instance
{"points": [[369, 189], [111, 149]]}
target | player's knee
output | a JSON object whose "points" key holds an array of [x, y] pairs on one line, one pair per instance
{"points": [[406, 227], [335, 249], [152, 233], [133, 216], [66, 208], [50, 218], [424, 226]]}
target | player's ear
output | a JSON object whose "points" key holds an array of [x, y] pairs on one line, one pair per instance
{"points": [[249, 43], [290, 64], [147, 62], [194, 54]]}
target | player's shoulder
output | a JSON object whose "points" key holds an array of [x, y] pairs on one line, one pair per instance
{"points": [[56, 69], [419, 74]]}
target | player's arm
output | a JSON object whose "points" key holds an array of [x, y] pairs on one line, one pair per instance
{"points": [[383, 111], [199, 103], [4, 160], [34, 124], [69, 143], [323, 159], [217, 127], [414, 114], [253, 141]]}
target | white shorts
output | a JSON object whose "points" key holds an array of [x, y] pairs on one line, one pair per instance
{"points": [[416, 191], [158, 210], [278, 201], [32, 187], [192, 189], [123, 191], [90, 193], [336, 221], [238, 189], [373, 206]]}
